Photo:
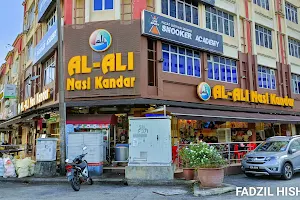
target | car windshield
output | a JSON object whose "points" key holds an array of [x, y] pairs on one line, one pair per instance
{"points": [[273, 146]]}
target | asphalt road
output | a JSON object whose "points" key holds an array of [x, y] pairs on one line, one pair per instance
{"points": [[18, 191]]}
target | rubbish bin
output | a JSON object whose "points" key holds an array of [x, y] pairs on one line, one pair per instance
{"points": [[122, 152]]}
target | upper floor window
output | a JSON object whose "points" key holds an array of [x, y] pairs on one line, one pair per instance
{"points": [[291, 12], [222, 69], [27, 88], [263, 36], [181, 60], [220, 21], [296, 83], [266, 78], [49, 71], [152, 57], [15, 68], [103, 4], [294, 48], [30, 17], [51, 20], [29, 55], [262, 3], [186, 10]]}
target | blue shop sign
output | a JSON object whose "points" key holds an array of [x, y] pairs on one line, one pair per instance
{"points": [[43, 7], [210, 2], [45, 45], [164, 28]]}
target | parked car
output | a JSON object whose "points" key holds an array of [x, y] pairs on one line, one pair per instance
{"points": [[277, 156]]}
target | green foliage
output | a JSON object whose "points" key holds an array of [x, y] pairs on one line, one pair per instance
{"points": [[201, 156]]}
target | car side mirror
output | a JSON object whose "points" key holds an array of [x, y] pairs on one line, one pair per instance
{"points": [[292, 151]]}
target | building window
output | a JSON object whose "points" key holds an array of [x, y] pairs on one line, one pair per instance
{"points": [[186, 10], [262, 3], [219, 21], [181, 61], [15, 68], [222, 69], [294, 48], [296, 83], [152, 80], [51, 20], [263, 36], [49, 71], [266, 78], [27, 88], [30, 17], [29, 56], [291, 13], [103, 4]]}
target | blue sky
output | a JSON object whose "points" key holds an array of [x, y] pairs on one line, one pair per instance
{"points": [[11, 23]]}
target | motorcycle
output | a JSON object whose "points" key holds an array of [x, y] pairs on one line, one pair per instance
{"points": [[78, 172]]}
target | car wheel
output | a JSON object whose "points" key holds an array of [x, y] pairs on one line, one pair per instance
{"points": [[287, 171], [249, 175]]}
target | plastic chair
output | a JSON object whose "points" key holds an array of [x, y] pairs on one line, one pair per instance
{"points": [[251, 146], [237, 154]]}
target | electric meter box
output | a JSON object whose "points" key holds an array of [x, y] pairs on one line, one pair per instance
{"points": [[46, 149], [150, 141]]}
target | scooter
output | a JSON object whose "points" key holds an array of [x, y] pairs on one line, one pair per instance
{"points": [[78, 172]]}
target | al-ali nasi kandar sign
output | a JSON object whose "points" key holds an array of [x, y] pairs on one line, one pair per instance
{"points": [[100, 41], [205, 92]]}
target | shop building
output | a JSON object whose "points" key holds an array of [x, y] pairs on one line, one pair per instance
{"points": [[9, 90], [37, 105], [227, 65], [211, 64]]}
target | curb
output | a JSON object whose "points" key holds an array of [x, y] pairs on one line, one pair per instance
{"points": [[61, 180], [174, 182]]}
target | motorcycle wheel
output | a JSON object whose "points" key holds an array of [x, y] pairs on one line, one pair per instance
{"points": [[75, 183], [90, 181]]}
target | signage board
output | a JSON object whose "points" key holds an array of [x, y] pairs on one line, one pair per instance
{"points": [[210, 2], [9, 92], [42, 8], [33, 101], [172, 30], [46, 43], [243, 95], [100, 41]]}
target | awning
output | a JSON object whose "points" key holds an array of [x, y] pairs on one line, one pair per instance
{"points": [[17, 120], [91, 119], [220, 115]]}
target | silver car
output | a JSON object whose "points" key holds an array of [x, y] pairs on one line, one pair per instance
{"points": [[277, 156]]}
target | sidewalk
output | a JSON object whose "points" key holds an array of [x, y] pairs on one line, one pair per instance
{"points": [[97, 180], [61, 179]]}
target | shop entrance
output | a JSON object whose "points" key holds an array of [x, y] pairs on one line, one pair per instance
{"points": [[113, 128]]}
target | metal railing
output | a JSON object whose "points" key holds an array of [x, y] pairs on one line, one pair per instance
{"points": [[233, 152]]}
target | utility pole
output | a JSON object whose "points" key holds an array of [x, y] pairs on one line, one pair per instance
{"points": [[61, 82]]}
